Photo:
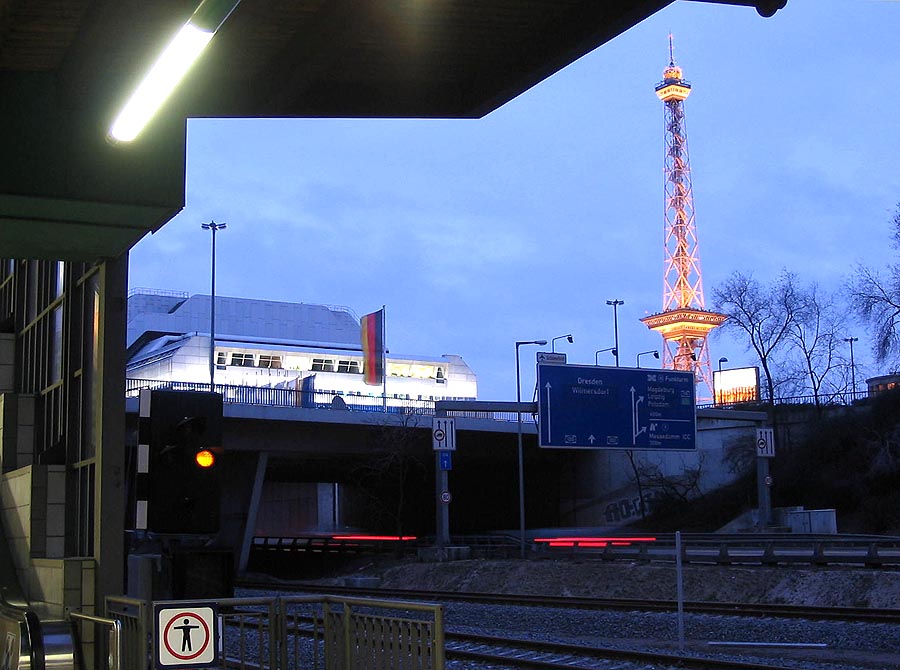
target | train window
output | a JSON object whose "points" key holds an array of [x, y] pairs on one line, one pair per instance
{"points": [[221, 358], [348, 366], [322, 365], [268, 361]]}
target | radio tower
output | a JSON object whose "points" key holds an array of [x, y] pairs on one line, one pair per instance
{"points": [[684, 323]]}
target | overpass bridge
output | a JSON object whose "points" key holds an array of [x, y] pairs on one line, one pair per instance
{"points": [[301, 462]]}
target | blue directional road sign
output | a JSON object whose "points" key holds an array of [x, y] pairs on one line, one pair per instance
{"points": [[593, 407]]}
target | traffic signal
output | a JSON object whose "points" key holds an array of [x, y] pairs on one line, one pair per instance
{"points": [[180, 445]]}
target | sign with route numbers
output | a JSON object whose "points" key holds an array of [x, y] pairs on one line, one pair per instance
{"points": [[187, 634], [597, 407]]}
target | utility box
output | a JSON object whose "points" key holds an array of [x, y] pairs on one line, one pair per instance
{"points": [[813, 521]]}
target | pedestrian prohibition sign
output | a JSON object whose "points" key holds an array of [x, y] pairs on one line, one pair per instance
{"points": [[186, 634]]}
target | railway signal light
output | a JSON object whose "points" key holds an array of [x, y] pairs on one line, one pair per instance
{"points": [[181, 432]]}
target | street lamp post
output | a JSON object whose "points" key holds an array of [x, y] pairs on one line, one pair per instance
{"points": [[561, 337], [722, 360], [212, 226], [600, 351], [615, 305], [643, 353], [539, 343], [850, 341]]}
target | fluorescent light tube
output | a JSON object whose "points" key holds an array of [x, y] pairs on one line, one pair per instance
{"points": [[168, 70]]}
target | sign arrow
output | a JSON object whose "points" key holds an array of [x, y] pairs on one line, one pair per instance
{"points": [[548, 387], [591, 439]]}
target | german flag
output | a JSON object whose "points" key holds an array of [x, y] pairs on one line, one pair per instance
{"points": [[372, 336]]}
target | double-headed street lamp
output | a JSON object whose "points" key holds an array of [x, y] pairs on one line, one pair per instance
{"points": [[644, 353], [539, 343], [615, 305], [212, 226], [600, 351], [561, 337]]}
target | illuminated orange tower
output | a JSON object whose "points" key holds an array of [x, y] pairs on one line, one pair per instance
{"points": [[684, 323]]}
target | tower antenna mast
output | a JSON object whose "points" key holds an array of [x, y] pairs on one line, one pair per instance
{"points": [[685, 322]]}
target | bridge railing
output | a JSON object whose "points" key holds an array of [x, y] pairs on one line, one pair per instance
{"points": [[318, 399]]}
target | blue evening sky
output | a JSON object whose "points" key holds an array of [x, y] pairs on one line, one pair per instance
{"points": [[521, 225]]}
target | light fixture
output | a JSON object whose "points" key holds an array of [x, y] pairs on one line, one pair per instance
{"points": [[645, 353], [568, 337], [169, 69]]}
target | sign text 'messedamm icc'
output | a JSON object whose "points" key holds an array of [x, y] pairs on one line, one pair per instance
{"points": [[593, 407]]}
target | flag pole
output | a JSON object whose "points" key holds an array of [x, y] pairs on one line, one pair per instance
{"points": [[383, 358]]}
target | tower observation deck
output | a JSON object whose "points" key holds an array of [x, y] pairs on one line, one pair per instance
{"points": [[684, 322]]}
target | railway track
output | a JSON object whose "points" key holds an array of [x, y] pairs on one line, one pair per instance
{"points": [[522, 653], [850, 614]]}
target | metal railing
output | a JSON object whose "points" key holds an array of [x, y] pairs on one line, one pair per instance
{"points": [[843, 398], [326, 400], [301, 633], [86, 626]]}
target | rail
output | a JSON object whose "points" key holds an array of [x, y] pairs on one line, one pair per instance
{"points": [[319, 399]]}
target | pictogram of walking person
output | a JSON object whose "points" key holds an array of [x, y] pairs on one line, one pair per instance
{"points": [[186, 629]]}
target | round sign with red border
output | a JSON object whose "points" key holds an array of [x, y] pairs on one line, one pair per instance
{"points": [[186, 634]]}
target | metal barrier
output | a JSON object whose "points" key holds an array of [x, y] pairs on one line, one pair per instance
{"points": [[134, 634], [364, 634], [302, 633]]}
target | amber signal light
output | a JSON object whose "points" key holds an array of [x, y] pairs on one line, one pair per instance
{"points": [[205, 458]]}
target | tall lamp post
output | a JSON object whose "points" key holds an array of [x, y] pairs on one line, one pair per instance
{"points": [[600, 351], [615, 305], [561, 337], [539, 343], [722, 360], [213, 227], [644, 353], [850, 341]]}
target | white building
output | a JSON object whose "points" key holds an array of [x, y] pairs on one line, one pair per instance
{"points": [[268, 344]]}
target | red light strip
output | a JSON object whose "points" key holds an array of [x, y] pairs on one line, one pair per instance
{"points": [[595, 539]]}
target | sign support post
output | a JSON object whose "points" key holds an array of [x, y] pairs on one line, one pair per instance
{"points": [[443, 438], [765, 449]]}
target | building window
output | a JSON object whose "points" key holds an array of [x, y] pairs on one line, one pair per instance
{"points": [[221, 358], [322, 365], [348, 366], [243, 360], [267, 361]]}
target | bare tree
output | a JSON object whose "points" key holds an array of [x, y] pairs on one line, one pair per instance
{"points": [[765, 315], [384, 475], [814, 331], [876, 299]]}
